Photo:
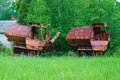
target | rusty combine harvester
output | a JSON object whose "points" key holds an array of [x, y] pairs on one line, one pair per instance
{"points": [[26, 39], [93, 38]]}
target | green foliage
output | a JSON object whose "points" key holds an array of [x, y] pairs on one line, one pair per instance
{"points": [[7, 9], [6, 52], [22, 7], [4, 4], [38, 12], [66, 14], [32, 11]]}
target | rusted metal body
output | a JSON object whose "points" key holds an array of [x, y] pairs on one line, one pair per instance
{"points": [[17, 33], [99, 45], [79, 36], [93, 38], [35, 44], [26, 38], [55, 37]]}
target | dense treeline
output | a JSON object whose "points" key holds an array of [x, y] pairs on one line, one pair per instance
{"points": [[7, 9], [65, 14]]}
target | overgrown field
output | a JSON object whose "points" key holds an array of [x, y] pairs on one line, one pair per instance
{"points": [[59, 68]]}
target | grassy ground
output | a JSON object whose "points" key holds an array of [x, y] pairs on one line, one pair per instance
{"points": [[59, 68]]}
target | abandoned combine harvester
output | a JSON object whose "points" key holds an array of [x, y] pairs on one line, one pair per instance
{"points": [[94, 39], [30, 40]]}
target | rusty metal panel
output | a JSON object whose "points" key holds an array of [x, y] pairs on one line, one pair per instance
{"points": [[80, 36], [98, 45], [55, 37], [80, 33], [17, 33], [35, 44]]}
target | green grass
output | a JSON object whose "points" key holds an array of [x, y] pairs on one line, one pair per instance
{"points": [[59, 68]]}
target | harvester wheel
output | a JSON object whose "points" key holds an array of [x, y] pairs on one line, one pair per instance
{"points": [[29, 53], [15, 51], [50, 49], [95, 53], [38, 53], [79, 53], [34, 52]]}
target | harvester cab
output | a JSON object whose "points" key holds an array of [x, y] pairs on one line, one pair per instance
{"points": [[39, 31], [101, 37], [100, 31]]}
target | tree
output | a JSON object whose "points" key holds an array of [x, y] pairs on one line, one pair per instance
{"points": [[22, 9], [7, 9], [4, 4], [38, 12]]}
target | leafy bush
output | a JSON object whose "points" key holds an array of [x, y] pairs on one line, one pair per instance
{"points": [[5, 51]]}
